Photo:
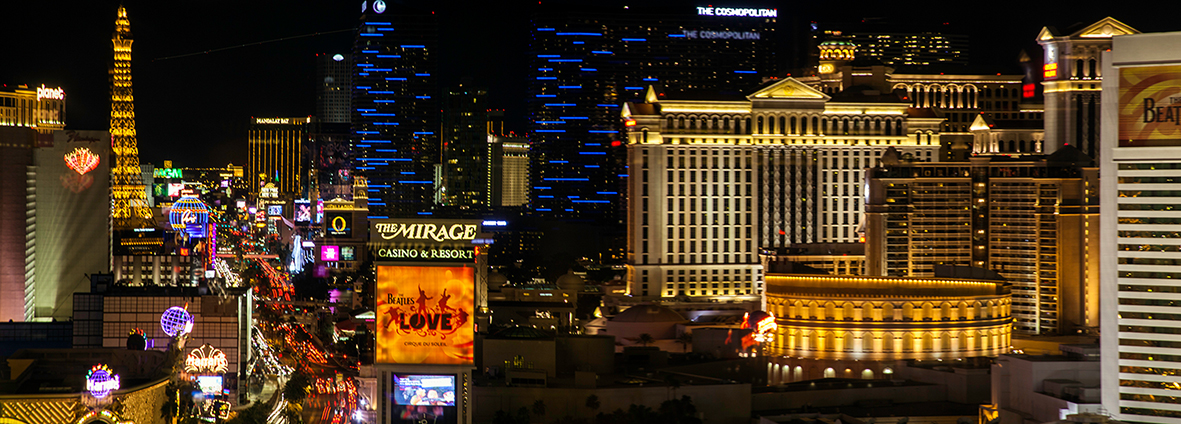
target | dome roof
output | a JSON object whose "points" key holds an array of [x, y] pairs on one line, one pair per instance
{"points": [[838, 43], [522, 332], [648, 313], [571, 281]]}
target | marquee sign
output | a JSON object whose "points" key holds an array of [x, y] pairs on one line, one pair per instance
{"points": [[425, 315], [101, 381], [435, 231], [1150, 106], [207, 360], [50, 93], [81, 160]]}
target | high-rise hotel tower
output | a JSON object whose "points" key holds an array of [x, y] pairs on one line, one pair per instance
{"points": [[395, 108], [1140, 224], [586, 64]]}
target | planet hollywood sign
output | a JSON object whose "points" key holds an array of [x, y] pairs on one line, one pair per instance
{"points": [[50, 93], [101, 381], [732, 11]]}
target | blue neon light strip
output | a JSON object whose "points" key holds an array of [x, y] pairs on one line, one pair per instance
{"points": [[546, 95], [745, 72], [606, 105], [423, 132], [560, 104], [590, 201], [545, 29], [365, 167], [544, 209], [364, 74], [378, 217], [364, 65], [559, 161], [372, 203], [364, 87], [385, 29], [633, 88], [590, 34], [378, 23], [367, 132], [377, 141], [422, 75], [634, 39], [545, 197], [579, 42], [384, 101], [369, 51], [547, 78], [545, 69], [379, 114], [597, 192], [573, 117], [372, 34], [593, 144], [651, 79], [549, 55], [407, 173], [426, 213], [550, 131], [592, 153], [396, 79], [413, 46], [565, 60], [416, 182], [590, 166], [677, 35], [590, 69], [569, 86], [385, 151], [382, 92], [366, 110], [565, 179], [422, 97], [386, 123], [362, 145], [551, 122], [389, 56], [602, 132], [601, 52]]}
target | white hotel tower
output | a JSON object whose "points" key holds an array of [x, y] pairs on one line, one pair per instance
{"points": [[1141, 228]]}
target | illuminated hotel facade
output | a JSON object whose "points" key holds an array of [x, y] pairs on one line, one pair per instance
{"points": [[1141, 229], [395, 116], [584, 64], [277, 154], [40, 108], [712, 182], [1032, 219], [1072, 81], [856, 327]]}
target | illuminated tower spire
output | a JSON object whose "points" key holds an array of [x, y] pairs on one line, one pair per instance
{"points": [[129, 202]]}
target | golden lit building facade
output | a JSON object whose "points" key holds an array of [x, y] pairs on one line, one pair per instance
{"points": [[958, 98], [711, 182], [1072, 79], [276, 154], [40, 108], [857, 326], [1032, 219]]}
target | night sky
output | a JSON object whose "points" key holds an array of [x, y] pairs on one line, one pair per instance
{"points": [[194, 109]]}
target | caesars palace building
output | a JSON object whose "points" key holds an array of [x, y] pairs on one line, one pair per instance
{"points": [[713, 181]]}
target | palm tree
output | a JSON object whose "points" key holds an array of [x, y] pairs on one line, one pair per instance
{"points": [[592, 402], [646, 339], [685, 339], [539, 409]]}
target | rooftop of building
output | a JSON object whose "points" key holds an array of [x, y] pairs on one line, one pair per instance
{"points": [[63, 371], [875, 286]]}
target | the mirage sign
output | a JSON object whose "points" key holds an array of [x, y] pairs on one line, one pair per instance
{"points": [[425, 231]]}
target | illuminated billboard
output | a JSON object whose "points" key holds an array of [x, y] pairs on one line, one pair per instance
{"points": [[1150, 106], [274, 210], [303, 212], [410, 389], [425, 315], [339, 224]]}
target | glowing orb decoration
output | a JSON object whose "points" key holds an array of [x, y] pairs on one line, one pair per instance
{"points": [[189, 214], [101, 381], [175, 321], [81, 160], [206, 360]]}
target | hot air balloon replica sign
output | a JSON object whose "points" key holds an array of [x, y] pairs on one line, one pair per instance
{"points": [[189, 215]]}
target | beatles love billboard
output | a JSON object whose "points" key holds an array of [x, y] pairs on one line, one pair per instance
{"points": [[1150, 106], [424, 315]]}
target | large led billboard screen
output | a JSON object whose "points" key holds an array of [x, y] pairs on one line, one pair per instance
{"points": [[412, 389], [425, 315], [1150, 106]]}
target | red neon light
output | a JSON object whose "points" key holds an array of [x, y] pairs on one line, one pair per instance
{"points": [[81, 160]]}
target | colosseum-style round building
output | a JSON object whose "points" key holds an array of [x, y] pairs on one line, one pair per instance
{"points": [[857, 326]]}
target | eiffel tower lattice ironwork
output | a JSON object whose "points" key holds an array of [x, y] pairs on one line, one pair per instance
{"points": [[129, 201]]}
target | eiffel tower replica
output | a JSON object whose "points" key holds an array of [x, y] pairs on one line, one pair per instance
{"points": [[129, 201]]}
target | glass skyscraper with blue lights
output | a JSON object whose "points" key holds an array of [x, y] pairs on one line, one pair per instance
{"points": [[395, 117], [586, 64]]}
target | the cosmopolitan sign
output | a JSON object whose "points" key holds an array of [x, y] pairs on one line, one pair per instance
{"points": [[722, 35], [425, 231], [737, 11]]}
